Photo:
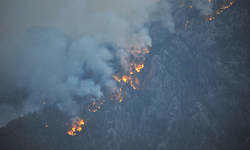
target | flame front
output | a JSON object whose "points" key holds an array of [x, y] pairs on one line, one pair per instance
{"points": [[227, 6], [95, 106], [139, 67], [210, 18], [126, 79], [76, 127], [117, 78], [130, 76], [136, 63]]}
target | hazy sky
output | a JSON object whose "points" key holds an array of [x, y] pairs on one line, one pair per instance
{"points": [[49, 63], [75, 17], [48, 66]]}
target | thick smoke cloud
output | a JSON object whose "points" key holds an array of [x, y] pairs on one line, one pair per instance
{"points": [[43, 63], [163, 13], [204, 6], [49, 48], [40, 62], [74, 17]]}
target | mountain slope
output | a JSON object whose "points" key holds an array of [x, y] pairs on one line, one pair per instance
{"points": [[194, 93]]}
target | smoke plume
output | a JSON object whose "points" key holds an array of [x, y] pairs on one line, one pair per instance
{"points": [[204, 6], [163, 13], [54, 50]]}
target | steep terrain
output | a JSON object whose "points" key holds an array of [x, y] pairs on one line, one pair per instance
{"points": [[194, 93]]}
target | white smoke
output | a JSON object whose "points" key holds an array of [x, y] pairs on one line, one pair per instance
{"points": [[163, 13], [204, 6], [59, 42], [124, 59]]}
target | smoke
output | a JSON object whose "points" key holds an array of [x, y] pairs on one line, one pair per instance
{"points": [[204, 6], [163, 13], [54, 50], [44, 63]]}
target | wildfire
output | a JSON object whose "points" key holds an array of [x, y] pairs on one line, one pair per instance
{"points": [[139, 67], [126, 79], [76, 127], [132, 84], [210, 18], [95, 106], [117, 78], [130, 76], [224, 7], [227, 6], [119, 95]]}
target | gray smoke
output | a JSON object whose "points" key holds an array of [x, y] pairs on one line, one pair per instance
{"points": [[163, 13], [49, 48], [204, 6]]}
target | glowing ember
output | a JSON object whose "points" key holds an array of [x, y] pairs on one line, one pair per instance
{"points": [[79, 129], [95, 106], [117, 78], [225, 7], [76, 127], [210, 18], [132, 84], [126, 78], [130, 76], [119, 95], [139, 67]]}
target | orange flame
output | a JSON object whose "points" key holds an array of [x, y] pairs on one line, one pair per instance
{"points": [[210, 18], [117, 78], [79, 129], [76, 127], [139, 67], [95, 106], [130, 76], [126, 78], [132, 84], [227, 6]]}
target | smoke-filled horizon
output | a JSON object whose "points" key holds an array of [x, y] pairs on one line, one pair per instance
{"points": [[47, 47]]}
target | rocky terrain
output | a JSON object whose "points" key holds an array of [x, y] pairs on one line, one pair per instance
{"points": [[194, 92]]}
